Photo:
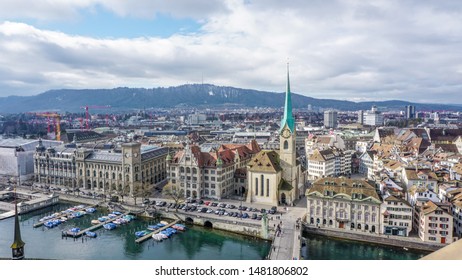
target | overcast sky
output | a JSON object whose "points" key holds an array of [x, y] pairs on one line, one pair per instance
{"points": [[347, 49]]}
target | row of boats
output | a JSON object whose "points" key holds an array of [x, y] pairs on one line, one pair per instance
{"points": [[58, 218], [163, 234], [75, 230]]}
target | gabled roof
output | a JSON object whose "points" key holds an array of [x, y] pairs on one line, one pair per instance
{"points": [[344, 186], [265, 161], [284, 185], [429, 207], [393, 198]]}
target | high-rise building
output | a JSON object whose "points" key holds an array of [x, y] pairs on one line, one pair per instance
{"points": [[361, 117], [410, 112], [330, 119], [373, 117]]}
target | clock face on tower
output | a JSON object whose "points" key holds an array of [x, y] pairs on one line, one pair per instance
{"points": [[286, 133]]}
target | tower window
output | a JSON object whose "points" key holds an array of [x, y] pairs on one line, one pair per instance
{"points": [[286, 145]]}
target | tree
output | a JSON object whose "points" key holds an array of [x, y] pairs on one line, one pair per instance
{"points": [[174, 192]]}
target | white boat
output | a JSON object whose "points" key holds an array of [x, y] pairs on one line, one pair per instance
{"points": [[164, 222], [158, 237], [95, 222]]}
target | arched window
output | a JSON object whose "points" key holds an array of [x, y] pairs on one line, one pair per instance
{"points": [[262, 186], [256, 186], [267, 187], [286, 145]]}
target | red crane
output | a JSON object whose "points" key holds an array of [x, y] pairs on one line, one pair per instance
{"points": [[87, 115]]}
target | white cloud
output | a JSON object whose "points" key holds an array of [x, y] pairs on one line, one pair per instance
{"points": [[342, 49]]}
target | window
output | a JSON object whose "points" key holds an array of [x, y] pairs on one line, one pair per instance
{"points": [[267, 187], [286, 145], [262, 186], [256, 186]]}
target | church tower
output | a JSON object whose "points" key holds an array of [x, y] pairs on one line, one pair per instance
{"points": [[287, 131], [18, 245]]}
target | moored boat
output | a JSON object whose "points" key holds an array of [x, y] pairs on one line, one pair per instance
{"points": [[110, 226], [90, 234], [141, 233], [95, 222], [90, 210]]}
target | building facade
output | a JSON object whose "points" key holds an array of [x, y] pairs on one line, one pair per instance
{"points": [[343, 204], [396, 217], [277, 177], [330, 119], [212, 174], [133, 170], [434, 223]]}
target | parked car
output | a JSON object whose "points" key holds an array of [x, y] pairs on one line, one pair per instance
{"points": [[245, 216], [214, 204], [254, 216]]}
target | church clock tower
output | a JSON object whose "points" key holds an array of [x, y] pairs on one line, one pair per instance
{"points": [[287, 131]]}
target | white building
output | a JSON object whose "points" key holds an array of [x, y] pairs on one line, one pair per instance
{"points": [[344, 204], [373, 117], [397, 216], [19, 153], [434, 223]]}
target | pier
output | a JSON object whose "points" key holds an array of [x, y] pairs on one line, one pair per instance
{"points": [[29, 202], [147, 236], [39, 224], [92, 228]]}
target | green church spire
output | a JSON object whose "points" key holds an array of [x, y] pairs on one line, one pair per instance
{"points": [[288, 118]]}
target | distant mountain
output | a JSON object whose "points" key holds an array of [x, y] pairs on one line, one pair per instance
{"points": [[195, 95]]}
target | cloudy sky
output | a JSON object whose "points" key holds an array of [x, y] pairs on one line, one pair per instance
{"points": [[346, 49]]}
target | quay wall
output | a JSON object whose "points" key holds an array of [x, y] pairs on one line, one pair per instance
{"points": [[376, 239], [240, 227], [235, 226]]}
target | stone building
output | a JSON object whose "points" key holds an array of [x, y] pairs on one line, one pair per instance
{"points": [[215, 174], [131, 170], [344, 204], [277, 177]]}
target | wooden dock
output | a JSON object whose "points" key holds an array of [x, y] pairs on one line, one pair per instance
{"points": [[92, 228], [147, 236], [39, 224]]}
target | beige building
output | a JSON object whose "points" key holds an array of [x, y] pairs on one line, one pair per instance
{"points": [[396, 217], [131, 170], [344, 204], [434, 223], [276, 177], [217, 174]]}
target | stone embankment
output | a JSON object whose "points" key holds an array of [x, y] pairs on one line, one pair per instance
{"points": [[402, 242]]}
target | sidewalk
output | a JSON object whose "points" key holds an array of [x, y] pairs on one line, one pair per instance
{"points": [[286, 246]]}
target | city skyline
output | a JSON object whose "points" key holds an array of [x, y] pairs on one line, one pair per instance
{"points": [[338, 50]]}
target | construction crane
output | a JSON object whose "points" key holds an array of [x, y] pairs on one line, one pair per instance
{"points": [[87, 115], [57, 119]]}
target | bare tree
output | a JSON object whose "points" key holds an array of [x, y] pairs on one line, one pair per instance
{"points": [[174, 192]]}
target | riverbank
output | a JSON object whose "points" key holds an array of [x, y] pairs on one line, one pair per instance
{"points": [[247, 227], [401, 242]]}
